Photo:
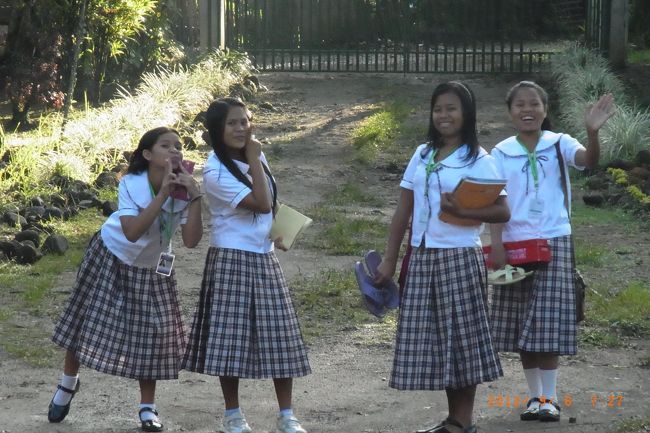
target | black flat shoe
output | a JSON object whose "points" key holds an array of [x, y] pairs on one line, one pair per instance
{"points": [[531, 414], [441, 428], [57, 413], [550, 415], [150, 425]]}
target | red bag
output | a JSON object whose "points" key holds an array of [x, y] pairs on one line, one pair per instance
{"points": [[401, 280], [528, 252]]}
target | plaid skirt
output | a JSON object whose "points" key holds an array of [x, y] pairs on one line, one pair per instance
{"points": [[245, 324], [538, 314], [443, 335], [122, 320]]}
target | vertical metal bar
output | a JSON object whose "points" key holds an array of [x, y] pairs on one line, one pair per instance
{"points": [[444, 52], [435, 57], [530, 61], [417, 57], [512, 56], [474, 55], [521, 56], [454, 69], [426, 57], [357, 58], [502, 59], [464, 57], [492, 67], [394, 57]]}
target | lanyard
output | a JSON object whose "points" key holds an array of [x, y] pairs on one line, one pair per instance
{"points": [[532, 162], [165, 224], [434, 166]]}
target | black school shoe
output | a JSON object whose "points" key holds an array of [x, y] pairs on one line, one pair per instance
{"points": [[150, 425], [531, 413], [57, 413], [550, 415], [441, 428]]}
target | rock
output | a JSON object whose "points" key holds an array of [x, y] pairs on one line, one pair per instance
{"points": [[596, 183], [643, 157], [619, 163], [189, 143], [120, 168], [640, 172], [253, 79], [37, 201], [8, 248], [57, 244], [29, 235], [13, 219], [267, 106], [200, 118], [108, 207], [28, 243], [593, 199], [58, 200], [106, 179], [52, 212], [84, 204], [38, 211], [26, 255]]}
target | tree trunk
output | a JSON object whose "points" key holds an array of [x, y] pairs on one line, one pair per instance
{"points": [[79, 35]]}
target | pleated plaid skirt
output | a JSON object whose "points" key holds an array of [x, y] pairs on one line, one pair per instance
{"points": [[443, 335], [122, 320], [245, 324], [538, 314]]}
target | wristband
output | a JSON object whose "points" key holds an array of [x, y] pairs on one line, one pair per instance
{"points": [[196, 198]]}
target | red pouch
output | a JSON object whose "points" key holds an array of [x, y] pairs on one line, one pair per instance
{"points": [[528, 252]]}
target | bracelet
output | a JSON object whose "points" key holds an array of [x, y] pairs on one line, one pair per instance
{"points": [[192, 200]]}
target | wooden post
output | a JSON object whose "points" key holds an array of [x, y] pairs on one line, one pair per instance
{"points": [[618, 33], [212, 23]]}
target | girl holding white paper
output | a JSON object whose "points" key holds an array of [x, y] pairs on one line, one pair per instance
{"points": [[443, 336], [537, 316], [123, 317], [245, 325]]}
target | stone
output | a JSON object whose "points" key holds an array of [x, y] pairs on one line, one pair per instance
{"points": [[640, 172], [200, 118], [267, 106], [27, 255], [52, 212], [8, 248], [84, 204], [189, 143], [619, 163], [643, 157], [596, 183], [108, 207], [37, 201], [58, 200], [13, 219], [29, 235], [593, 199], [38, 211], [106, 179], [57, 244]]}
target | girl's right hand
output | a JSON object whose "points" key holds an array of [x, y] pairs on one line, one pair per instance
{"points": [[169, 181], [497, 256], [253, 148], [384, 274]]}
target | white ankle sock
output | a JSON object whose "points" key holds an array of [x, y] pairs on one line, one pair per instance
{"points": [[286, 412], [549, 383], [61, 397], [534, 379], [148, 416]]}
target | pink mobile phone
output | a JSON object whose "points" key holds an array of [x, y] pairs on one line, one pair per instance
{"points": [[180, 192]]}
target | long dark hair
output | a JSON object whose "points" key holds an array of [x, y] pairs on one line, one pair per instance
{"points": [[138, 163], [468, 133], [215, 122], [510, 96]]}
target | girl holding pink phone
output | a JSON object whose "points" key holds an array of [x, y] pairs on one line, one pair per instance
{"points": [[123, 317]]}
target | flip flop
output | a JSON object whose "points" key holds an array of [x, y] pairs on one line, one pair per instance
{"points": [[507, 275], [372, 297], [390, 291]]}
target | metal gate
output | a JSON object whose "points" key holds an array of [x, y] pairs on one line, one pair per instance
{"points": [[415, 36]]}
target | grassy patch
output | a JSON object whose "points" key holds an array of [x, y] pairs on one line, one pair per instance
{"points": [[588, 254], [31, 345], [344, 235], [583, 215], [330, 302], [633, 425], [598, 338], [351, 194], [641, 57], [627, 312], [378, 133]]}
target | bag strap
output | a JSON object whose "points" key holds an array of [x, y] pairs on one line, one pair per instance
{"points": [[565, 190]]}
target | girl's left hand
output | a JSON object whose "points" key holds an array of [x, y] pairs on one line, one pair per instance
{"points": [[597, 114], [279, 244], [184, 178], [449, 204]]}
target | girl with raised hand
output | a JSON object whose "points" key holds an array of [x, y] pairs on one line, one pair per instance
{"points": [[123, 317], [537, 316], [245, 325], [443, 336]]}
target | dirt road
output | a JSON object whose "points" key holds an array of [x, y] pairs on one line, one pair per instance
{"points": [[348, 390]]}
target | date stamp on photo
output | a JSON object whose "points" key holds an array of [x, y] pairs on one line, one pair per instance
{"points": [[612, 400]]}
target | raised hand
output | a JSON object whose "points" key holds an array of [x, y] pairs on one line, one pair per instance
{"points": [[597, 114], [253, 147], [169, 180], [185, 179]]}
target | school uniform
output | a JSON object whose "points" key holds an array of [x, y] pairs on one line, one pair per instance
{"points": [[122, 318], [538, 313], [245, 325], [443, 335]]}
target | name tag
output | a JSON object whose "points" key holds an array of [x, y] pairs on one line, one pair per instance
{"points": [[165, 264], [536, 209]]}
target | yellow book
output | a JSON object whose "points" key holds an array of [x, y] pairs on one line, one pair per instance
{"points": [[288, 223], [474, 193]]}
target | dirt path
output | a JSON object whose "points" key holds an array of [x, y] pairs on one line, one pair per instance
{"points": [[348, 390]]}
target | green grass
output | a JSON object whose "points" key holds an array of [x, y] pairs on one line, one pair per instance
{"points": [[641, 57], [598, 338], [633, 425], [329, 303], [588, 254], [627, 312], [583, 215], [351, 194], [378, 133]]}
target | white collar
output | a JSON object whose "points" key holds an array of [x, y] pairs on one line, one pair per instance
{"points": [[511, 147], [457, 159], [137, 186]]}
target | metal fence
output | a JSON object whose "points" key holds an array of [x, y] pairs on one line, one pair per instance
{"points": [[598, 24]]}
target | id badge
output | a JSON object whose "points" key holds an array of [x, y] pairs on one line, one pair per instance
{"points": [[536, 209], [425, 214], [165, 264]]}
